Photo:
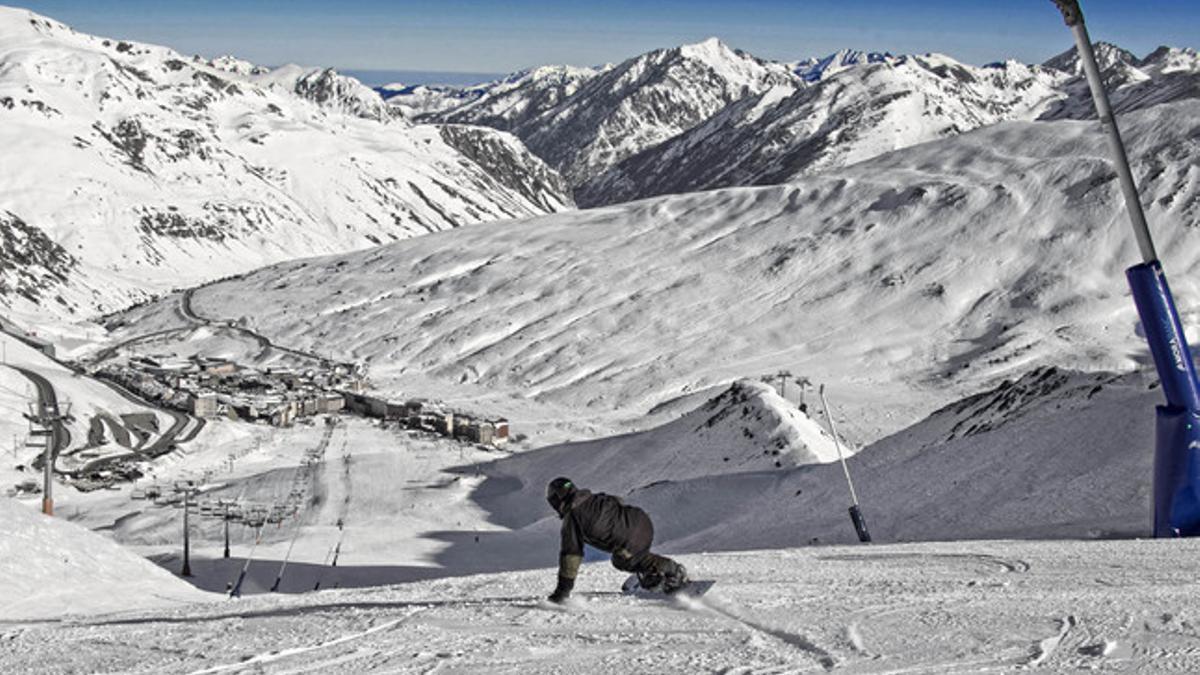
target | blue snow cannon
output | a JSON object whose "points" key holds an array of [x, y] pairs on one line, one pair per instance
{"points": [[1177, 455], [1177, 443]]}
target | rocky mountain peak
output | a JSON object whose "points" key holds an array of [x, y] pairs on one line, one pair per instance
{"points": [[1108, 56], [816, 69]]}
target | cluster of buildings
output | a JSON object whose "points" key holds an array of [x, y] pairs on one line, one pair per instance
{"points": [[210, 388], [416, 414], [218, 388]]}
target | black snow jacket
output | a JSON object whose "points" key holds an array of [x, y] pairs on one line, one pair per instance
{"points": [[604, 522]]}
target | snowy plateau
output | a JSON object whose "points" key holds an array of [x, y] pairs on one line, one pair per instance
{"points": [[347, 336]]}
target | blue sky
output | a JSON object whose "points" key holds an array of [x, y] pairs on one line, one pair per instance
{"points": [[502, 36]]}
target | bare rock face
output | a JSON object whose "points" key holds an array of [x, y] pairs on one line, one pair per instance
{"points": [[32, 266], [505, 159]]}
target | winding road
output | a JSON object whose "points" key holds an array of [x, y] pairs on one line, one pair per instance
{"points": [[189, 312], [48, 401]]}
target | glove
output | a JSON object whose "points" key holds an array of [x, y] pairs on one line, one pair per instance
{"points": [[562, 591]]}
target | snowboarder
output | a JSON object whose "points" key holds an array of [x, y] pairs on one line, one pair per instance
{"points": [[605, 522]]}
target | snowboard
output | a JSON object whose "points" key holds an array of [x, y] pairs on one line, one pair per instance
{"points": [[694, 589]]}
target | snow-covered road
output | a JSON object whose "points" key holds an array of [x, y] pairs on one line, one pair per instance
{"points": [[942, 607]]}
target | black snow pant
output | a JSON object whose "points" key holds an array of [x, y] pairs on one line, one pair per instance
{"points": [[635, 555]]}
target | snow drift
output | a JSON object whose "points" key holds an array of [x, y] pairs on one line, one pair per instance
{"points": [[50, 568]]}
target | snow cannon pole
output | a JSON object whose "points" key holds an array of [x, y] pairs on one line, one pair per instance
{"points": [[856, 516], [1177, 452]]}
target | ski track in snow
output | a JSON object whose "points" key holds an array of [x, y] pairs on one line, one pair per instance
{"points": [[905, 608], [289, 653]]}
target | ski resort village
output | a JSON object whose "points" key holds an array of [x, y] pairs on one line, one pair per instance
{"points": [[606, 338]]}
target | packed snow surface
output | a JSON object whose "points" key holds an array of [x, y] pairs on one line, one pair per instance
{"points": [[933, 608]]}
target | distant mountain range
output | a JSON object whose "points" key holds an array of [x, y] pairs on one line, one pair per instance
{"points": [[704, 116]]}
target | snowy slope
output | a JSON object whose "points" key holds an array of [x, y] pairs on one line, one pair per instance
{"points": [[50, 569], [747, 428], [130, 169], [1053, 454], [907, 282], [1119, 606]]}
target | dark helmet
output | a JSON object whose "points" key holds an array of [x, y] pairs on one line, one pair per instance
{"points": [[559, 493]]}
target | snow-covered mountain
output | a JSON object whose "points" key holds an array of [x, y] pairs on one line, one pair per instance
{"points": [[1164, 75], [851, 115], [514, 103], [627, 132], [130, 169], [814, 69], [913, 279], [414, 101], [583, 121], [329, 90]]}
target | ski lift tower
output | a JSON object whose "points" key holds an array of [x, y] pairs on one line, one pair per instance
{"points": [[1177, 452], [46, 433]]}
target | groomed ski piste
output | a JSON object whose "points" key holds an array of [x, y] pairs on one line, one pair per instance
{"points": [[995, 606]]}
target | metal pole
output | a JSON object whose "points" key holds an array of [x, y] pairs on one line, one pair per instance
{"points": [[187, 564], [279, 577], [838, 445], [236, 591], [1073, 17], [856, 514], [48, 472]]}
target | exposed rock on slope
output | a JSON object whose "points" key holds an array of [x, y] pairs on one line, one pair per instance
{"points": [[150, 170]]}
